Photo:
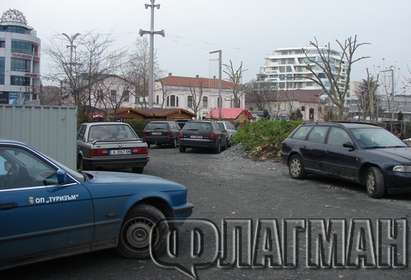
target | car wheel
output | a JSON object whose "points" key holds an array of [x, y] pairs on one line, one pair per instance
{"points": [[374, 182], [296, 167], [138, 170], [182, 149], [217, 150], [134, 239]]}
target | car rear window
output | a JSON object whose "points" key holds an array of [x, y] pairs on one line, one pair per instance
{"points": [[114, 132], [157, 125], [201, 126], [302, 132], [317, 134]]}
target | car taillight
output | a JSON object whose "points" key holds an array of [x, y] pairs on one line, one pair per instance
{"points": [[139, 151], [98, 152], [213, 136]]}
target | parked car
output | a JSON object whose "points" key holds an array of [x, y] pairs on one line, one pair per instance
{"points": [[48, 210], [161, 133], [110, 145], [230, 128], [364, 153], [203, 134]]}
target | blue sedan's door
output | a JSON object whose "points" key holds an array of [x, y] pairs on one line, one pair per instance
{"points": [[39, 218]]}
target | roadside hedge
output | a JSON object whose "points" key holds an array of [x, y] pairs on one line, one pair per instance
{"points": [[262, 139]]}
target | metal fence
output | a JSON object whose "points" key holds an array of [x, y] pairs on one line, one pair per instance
{"points": [[52, 130]]}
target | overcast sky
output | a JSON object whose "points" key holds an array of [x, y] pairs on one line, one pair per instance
{"points": [[246, 30]]}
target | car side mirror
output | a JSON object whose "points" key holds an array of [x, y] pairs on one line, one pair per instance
{"points": [[61, 177], [349, 146]]}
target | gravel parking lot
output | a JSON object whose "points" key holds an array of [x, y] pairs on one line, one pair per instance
{"points": [[228, 185]]}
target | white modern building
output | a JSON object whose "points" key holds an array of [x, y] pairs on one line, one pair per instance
{"points": [[19, 60], [286, 68]]}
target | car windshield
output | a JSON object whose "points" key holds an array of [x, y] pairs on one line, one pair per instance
{"points": [[202, 126], [375, 138], [114, 132], [157, 126]]}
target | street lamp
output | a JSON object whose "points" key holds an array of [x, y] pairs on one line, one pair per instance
{"points": [[220, 77]]}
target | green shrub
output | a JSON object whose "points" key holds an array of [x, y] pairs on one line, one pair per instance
{"points": [[262, 139], [137, 125]]}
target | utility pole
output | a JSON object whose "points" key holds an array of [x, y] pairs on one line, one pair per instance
{"points": [[72, 47], [151, 32], [220, 81]]}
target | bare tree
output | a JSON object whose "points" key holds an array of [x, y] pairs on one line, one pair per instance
{"points": [[94, 58], [235, 75], [367, 97], [196, 95], [136, 71], [330, 67], [164, 93]]}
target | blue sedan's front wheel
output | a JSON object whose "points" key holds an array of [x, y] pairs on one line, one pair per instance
{"points": [[134, 241]]}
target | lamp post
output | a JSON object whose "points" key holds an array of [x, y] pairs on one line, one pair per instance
{"points": [[220, 83], [72, 47]]}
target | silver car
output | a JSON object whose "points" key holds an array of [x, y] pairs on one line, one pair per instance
{"points": [[110, 145], [230, 128]]}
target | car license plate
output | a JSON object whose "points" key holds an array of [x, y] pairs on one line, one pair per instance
{"points": [[120, 152], [196, 137], [156, 133]]}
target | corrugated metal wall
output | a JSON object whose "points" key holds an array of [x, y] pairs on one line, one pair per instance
{"points": [[52, 130]]}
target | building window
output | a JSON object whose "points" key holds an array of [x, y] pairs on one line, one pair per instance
{"points": [[311, 114], [205, 102], [302, 108], [172, 101], [2, 44], [176, 101], [190, 101], [19, 81], [157, 99], [20, 65], [18, 46], [14, 29], [126, 96], [2, 70]]}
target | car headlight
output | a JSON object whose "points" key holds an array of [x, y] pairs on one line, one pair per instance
{"points": [[402, 168]]}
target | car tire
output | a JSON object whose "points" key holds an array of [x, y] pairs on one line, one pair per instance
{"points": [[182, 149], [134, 238], [217, 150], [296, 167], [139, 170], [374, 182]]}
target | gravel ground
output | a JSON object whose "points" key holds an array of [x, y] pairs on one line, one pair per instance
{"points": [[230, 186]]}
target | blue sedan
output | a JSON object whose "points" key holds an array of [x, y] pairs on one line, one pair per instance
{"points": [[48, 210]]}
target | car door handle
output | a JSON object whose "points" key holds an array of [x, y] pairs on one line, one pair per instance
{"points": [[8, 206]]}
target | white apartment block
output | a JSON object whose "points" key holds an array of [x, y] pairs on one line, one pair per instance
{"points": [[19, 60], [287, 69]]}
